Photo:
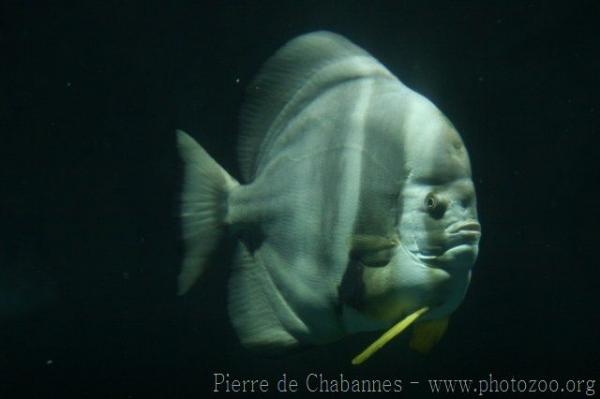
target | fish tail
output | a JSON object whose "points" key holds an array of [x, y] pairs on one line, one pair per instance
{"points": [[206, 187]]}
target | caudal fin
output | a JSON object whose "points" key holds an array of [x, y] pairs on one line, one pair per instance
{"points": [[203, 205]]}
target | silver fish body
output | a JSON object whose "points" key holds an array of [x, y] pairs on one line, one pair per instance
{"points": [[357, 205]]}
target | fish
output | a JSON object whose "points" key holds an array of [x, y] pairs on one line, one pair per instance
{"points": [[355, 210]]}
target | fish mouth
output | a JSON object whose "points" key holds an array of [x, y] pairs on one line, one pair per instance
{"points": [[468, 232], [468, 227], [461, 240]]}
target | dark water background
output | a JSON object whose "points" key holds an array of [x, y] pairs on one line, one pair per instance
{"points": [[91, 94]]}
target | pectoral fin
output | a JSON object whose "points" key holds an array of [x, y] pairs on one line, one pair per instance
{"points": [[427, 334], [368, 242], [372, 250]]}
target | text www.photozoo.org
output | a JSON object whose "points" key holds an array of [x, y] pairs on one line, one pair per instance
{"points": [[340, 383]]}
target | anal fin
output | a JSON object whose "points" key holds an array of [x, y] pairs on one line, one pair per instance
{"points": [[255, 304]]}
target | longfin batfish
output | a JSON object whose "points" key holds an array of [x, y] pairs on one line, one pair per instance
{"points": [[355, 210]]}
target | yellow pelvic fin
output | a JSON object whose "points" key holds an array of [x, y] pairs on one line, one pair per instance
{"points": [[427, 334], [388, 335]]}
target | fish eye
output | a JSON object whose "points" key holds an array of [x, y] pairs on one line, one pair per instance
{"points": [[434, 206]]}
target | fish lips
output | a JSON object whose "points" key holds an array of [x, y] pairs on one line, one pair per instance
{"points": [[463, 233], [460, 249], [469, 226]]}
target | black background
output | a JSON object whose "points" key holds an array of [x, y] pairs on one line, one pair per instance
{"points": [[91, 94]]}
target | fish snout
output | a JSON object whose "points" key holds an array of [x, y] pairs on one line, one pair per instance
{"points": [[464, 232], [466, 227]]}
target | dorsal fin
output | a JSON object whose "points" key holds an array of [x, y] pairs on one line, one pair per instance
{"points": [[296, 73]]}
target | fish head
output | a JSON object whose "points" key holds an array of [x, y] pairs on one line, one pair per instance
{"points": [[438, 223], [437, 231], [438, 226]]}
